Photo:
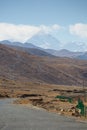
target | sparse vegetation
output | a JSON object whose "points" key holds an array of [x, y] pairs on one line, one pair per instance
{"points": [[38, 80], [19, 65]]}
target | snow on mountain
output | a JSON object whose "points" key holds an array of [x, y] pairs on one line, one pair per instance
{"points": [[76, 46], [45, 40]]}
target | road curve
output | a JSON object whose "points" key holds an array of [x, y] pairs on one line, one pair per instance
{"points": [[17, 117]]}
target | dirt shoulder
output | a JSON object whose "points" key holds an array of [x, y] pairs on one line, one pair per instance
{"points": [[44, 96], [48, 101]]}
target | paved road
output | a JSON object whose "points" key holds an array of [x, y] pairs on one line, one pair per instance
{"points": [[16, 117]]}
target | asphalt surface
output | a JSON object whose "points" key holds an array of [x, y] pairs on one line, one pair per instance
{"points": [[17, 117]]}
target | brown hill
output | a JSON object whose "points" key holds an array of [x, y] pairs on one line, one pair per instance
{"points": [[22, 66]]}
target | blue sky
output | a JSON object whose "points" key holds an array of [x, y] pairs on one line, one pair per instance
{"points": [[69, 16], [36, 12]]}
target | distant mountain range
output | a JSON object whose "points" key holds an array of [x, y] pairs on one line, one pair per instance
{"points": [[40, 43], [64, 53], [47, 41], [35, 50], [26, 45], [76, 46]]}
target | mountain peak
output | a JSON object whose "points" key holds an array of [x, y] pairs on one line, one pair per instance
{"points": [[45, 40]]}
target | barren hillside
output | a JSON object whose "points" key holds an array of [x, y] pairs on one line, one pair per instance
{"points": [[22, 66]]}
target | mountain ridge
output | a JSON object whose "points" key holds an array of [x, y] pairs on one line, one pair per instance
{"points": [[22, 66], [45, 52]]}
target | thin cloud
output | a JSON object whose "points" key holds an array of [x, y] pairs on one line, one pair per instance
{"points": [[23, 32], [79, 29], [48, 29]]}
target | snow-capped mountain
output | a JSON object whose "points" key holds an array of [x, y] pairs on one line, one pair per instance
{"points": [[76, 46], [45, 41]]}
